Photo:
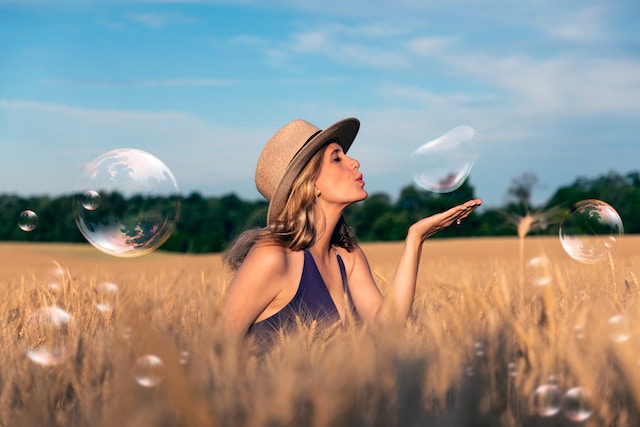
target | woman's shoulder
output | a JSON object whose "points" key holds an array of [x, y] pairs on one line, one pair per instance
{"points": [[269, 256], [351, 257]]}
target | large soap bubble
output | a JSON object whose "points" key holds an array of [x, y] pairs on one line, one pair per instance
{"points": [[50, 336], [589, 231], [443, 165], [126, 202]]}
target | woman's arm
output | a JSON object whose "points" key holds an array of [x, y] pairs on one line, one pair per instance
{"points": [[396, 305]]}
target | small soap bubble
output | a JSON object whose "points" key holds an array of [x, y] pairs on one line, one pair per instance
{"points": [[49, 336], [538, 271], [91, 200], [619, 328], [590, 230], [184, 357], [576, 404], [443, 164], [148, 370], [579, 331], [139, 203], [27, 220], [470, 370], [512, 369], [106, 294], [553, 380], [55, 279], [547, 400], [478, 349], [126, 333]]}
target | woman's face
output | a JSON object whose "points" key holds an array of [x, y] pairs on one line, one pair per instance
{"points": [[339, 180]]}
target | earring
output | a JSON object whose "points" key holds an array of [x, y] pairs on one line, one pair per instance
{"points": [[318, 193]]}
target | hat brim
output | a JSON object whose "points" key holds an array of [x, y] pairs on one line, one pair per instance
{"points": [[343, 132]]}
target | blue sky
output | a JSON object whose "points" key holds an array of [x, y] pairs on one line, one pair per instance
{"points": [[551, 87]]}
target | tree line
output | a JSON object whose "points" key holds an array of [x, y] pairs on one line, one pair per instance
{"points": [[209, 224]]}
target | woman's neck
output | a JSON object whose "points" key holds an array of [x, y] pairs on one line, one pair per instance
{"points": [[325, 227]]}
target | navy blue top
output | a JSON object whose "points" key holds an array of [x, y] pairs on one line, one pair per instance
{"points": [[312, 301]]}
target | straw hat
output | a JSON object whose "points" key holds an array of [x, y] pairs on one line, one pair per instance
{"points": [[288, 151]]}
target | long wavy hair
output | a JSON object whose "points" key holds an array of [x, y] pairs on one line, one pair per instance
{"points": [[294, 227]]}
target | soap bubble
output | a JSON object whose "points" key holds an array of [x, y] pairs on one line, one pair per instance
{"points": [[479, 349], [576, 404], [106, 295], [619, 328], [27, 220], [579, 331], [512, 369], [538, 271], [91, 200], [133, 203], [589, 231], [443, 165], [56, 278], [49, 336], [547, 401], [148, 370], [127, 333], [184, 357]]}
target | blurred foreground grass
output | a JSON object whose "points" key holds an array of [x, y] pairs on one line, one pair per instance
{"points": [[485, 333]]}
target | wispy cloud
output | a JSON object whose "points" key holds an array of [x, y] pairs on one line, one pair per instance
{"points": [[248, 40], [582, 25], [428, 46], [147, 83], [564, 85], [78, 112], [351, 46], [159, 19]]}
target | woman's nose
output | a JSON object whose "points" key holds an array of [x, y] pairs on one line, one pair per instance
{"points": [[355, 163]]}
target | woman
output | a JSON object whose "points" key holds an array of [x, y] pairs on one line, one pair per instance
{"points": [[306, 265]]}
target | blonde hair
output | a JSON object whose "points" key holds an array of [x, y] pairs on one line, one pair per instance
{"points": [[295, 226]]}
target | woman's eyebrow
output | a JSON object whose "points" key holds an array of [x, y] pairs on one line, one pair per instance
{"points": [[336, 151]]}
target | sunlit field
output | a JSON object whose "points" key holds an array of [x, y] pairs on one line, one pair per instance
{"points": [[500, 335]]}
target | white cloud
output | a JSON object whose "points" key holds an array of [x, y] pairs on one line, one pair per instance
{"points": [[582, 25], [159, 19], [311, 42], [342, 47], [563, 85], [86, 113], [430, 45], [148, 83], [248, 40]]}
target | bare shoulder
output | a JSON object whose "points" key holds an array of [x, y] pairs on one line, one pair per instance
{"points": [[267, 258], [353, 259]]}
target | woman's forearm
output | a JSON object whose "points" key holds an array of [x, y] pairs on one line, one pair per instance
{"points": [[398, 302]]}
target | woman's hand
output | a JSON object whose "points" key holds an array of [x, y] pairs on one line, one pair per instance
{"points": [[430, 225]]}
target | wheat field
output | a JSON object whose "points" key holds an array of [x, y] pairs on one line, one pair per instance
{"points": [[494, 339]]}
